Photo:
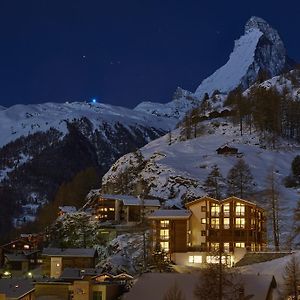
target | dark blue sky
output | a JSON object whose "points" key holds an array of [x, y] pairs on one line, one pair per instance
{"points": [[123, 52]]}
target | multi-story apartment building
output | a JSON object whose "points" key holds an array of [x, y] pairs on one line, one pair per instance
{"points": [[207, 227]]}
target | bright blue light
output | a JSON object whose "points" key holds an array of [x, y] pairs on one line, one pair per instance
{"points": [[94, 101]]}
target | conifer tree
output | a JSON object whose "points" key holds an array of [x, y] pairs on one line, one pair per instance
{"points": [[214, 183], [239, 180]]}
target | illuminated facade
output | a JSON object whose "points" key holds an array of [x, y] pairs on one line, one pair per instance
{"points": [[231, 226]]}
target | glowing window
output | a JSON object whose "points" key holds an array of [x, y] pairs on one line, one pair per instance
{"points": [[164, 246], [197, 259], [240, 245], [226, 223], [226, 247], [26, 247], [111, 209], [214, 209], [226, 209], [214, 246], [240, 222], [240, 209], [164, 223], [164, 234], [215, 223], [203, 221], [215, 259]]}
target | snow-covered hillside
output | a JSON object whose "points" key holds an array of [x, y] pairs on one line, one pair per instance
{"points": [[178, 171], [22, 120]]}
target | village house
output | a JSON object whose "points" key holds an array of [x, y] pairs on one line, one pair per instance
{"points": [[123, 209], [208, 227], [83, 284], [55, 260]]}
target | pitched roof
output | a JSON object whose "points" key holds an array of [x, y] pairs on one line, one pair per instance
{"points": [[155, 285], [16, 257], [77, 273], [196, 201], [15, 288], [71, 252], [131, 200], [170, 214]]}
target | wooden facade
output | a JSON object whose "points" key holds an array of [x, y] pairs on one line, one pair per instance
{"points": [[209, 225]]}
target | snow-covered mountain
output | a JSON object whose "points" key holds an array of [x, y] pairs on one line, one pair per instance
{"points": [[22, 120], [182, 102], [260, 49], [258, 52], [50, 143]]}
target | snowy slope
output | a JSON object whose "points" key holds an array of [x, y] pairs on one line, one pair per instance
{"points": [[23, 120], [231, 74], [182, 102], [177, 172]]}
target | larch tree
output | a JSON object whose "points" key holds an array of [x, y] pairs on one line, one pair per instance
{"points": [[273, 198], [240, 180], [214, 184], [291, 279], [174, 293]]}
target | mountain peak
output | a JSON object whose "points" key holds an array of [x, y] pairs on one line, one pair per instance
{"points": [[256, 22], [259, 49]]}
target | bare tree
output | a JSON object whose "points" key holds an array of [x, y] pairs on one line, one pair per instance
{"points": [[291, 277], [174, 293], [229, 280], [240, 180], [273, 201]]}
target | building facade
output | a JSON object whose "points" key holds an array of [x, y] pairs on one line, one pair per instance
{"points": [[207, 227]]}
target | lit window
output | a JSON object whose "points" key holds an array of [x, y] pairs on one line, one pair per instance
{"points": [[240, 222], [240, 245], [226, 223], [164, 246], [226, 209], [111, 209], [203, 221], [164, 223], [214, 209], [215, 222], [226, 247], [215, 259], [253, 247], [26, 247], [214, 246], [197, 259], [240, 209], [164, 234]]}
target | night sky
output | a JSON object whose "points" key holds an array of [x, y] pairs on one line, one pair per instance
{"points": [[123, 52]]}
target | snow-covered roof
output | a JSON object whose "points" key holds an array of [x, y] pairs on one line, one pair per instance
{"points": [[67, 209], [132, 201], [155, 285], [170, 214], [72, 252], [15, 288]]}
